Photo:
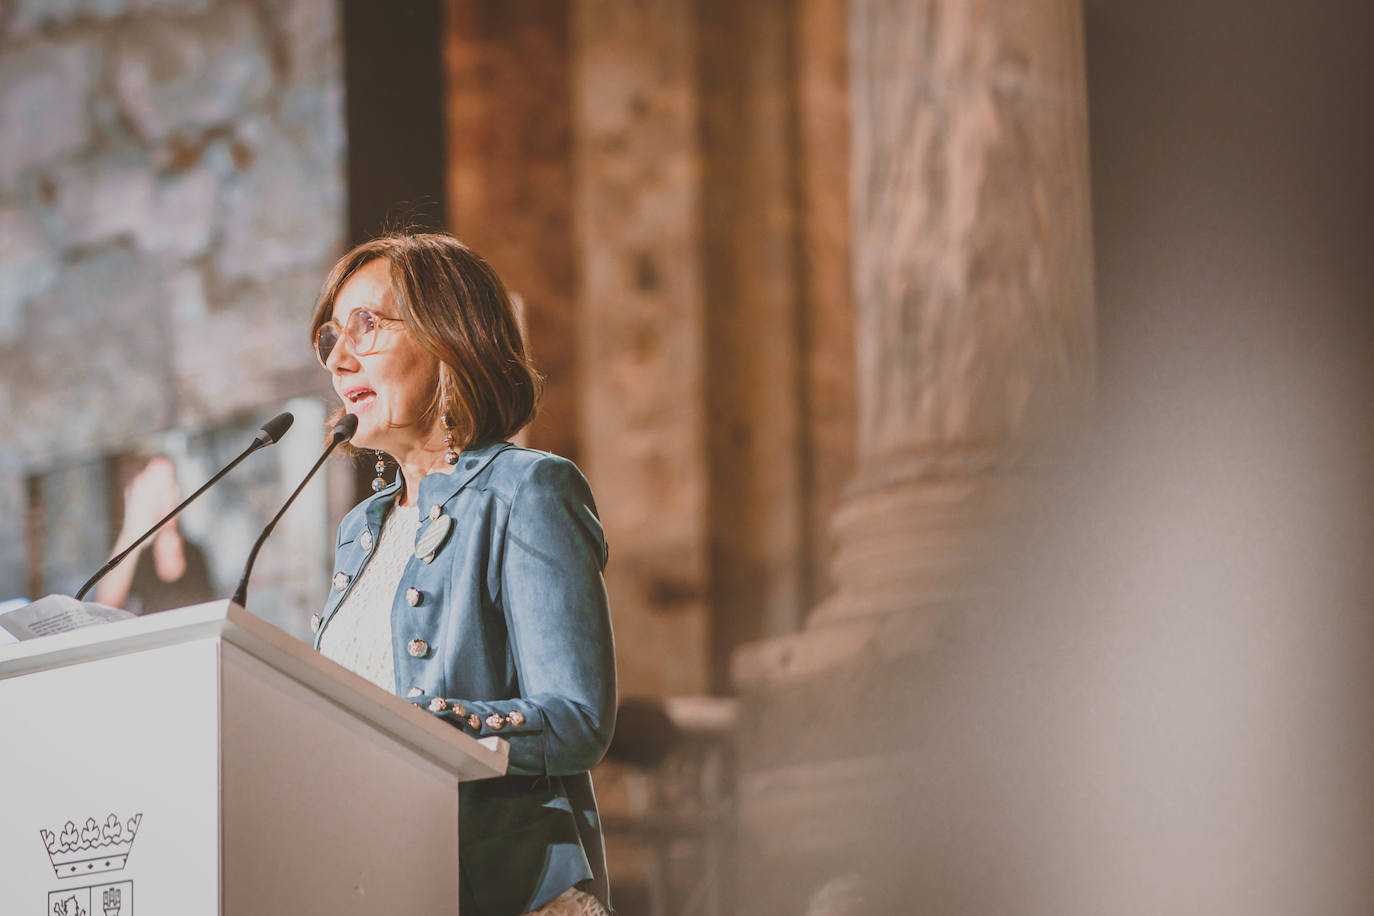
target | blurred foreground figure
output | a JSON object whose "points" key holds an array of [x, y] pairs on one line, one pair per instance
{"points": [[1153, 690], [1156, 694], [1159, 700]]}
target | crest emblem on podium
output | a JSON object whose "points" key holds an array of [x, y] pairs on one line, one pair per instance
{"points": [[91, 849], [98, 900]]}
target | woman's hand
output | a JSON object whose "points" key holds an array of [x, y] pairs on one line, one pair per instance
{"points": [[149, 496]]}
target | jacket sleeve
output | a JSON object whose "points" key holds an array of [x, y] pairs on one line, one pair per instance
{"points": [[554, 600]]}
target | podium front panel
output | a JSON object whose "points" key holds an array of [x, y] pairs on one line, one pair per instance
{"points": [[110, 781], [324, 813], [202, 761]]}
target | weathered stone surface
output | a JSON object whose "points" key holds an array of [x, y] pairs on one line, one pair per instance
{"points": [[312, 115], [970, 315], [102, 200], [76, 541], [827, 306], [973, 278], [167, 207], [28, 266], [43, 94], [89, 358], [181, 217], [174, 6], [246, 351], [271, 217], [185, 76], [642, 328], [184, 293], [13, 525], [34, 15], [753, 324], [305, 35], [31, 15], [509, 181]]}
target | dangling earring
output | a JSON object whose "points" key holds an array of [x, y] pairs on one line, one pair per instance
{"points": [[378, 482], [452, 455]]}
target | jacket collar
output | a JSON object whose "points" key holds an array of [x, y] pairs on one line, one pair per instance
{"points": [[437, 488]]}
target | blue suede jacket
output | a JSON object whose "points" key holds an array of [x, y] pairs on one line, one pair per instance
{"points": [[504, 617]]}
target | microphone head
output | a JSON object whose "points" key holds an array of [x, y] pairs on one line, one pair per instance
{"points": [[275, 428], [345, 428]]}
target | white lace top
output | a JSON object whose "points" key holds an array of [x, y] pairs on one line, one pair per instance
{"points": [[359, 633]]}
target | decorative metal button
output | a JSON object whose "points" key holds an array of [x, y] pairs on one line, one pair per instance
{"points": [[516, 717], [417, 648], [458, 709], [438, 704], [341, 581], [414, 596], [366, 539], [414, 692], [315, 621], [434, 512], [495, 722], [474, 722]]}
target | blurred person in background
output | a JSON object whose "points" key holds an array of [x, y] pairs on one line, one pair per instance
{"points": [[166, 571]]}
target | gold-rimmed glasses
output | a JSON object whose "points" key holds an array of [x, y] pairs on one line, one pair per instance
{"points": [[360, 328]]}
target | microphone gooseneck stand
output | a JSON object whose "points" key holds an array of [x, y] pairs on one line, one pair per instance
{"points": [[270, 432], [343, 431]]}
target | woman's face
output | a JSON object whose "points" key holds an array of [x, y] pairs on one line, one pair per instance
{"points": [[390, 387]]}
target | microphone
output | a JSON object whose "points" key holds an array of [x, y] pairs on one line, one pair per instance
{"points": [[272, 431], [268, 434], [343, 431]]}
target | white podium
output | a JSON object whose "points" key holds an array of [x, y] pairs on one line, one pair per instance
{"points": [[201, 761]]}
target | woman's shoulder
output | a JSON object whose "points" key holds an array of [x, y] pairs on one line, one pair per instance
{"points": [[519, 470], [546, 493], [517, 465]]}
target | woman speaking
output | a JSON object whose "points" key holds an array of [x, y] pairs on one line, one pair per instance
{"points": [[471, 584]]}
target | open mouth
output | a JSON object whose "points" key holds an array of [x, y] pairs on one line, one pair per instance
{"points": [[356, 400]]}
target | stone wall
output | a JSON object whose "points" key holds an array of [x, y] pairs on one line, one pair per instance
{"points": [[509, 171], [171, 194], [642, 335]]}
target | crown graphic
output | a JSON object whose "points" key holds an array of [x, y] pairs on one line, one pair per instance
{"points": [[93, 849]]}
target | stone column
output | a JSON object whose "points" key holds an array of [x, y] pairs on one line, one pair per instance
{"points": [[821, 56], [640, 341], [973, 288], [972, 281], [508, 122], [751, 216]]}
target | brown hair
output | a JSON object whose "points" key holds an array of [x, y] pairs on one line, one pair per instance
{"points": [[458, 310]]}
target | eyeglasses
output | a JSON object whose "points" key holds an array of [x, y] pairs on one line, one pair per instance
{"points": [[361, 330]]}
